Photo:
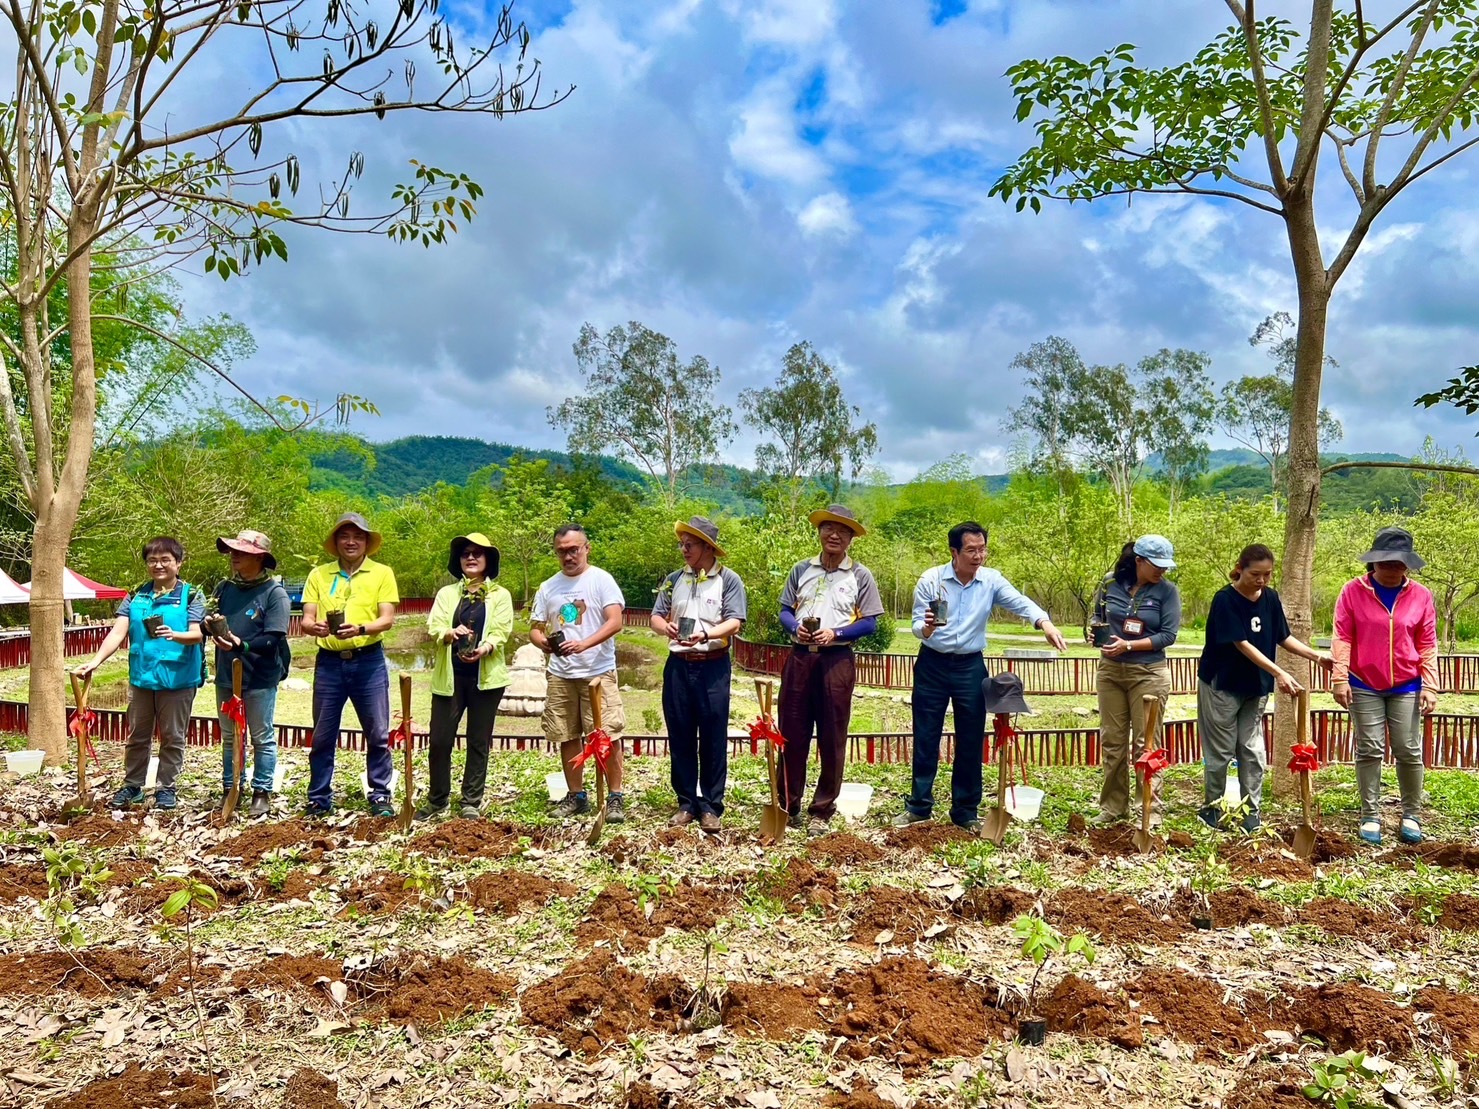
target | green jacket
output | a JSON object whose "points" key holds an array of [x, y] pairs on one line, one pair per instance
{"points": [[498, 625]]}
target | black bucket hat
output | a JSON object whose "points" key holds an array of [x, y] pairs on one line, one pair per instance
{"points": [[472, 539], [1394, 545], [1003, 693]]}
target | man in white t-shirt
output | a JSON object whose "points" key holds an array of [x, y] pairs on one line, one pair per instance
{"points": [[574, 619]]}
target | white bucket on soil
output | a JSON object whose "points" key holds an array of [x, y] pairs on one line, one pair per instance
{"points": [[364, 780], [279, 775], [1024, 802], [854, 799], [555, 784], [24, 763], [153, 774]]}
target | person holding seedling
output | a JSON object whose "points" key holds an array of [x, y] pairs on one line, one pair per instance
{"points": [[166, 664], [470, 622], [698, 608], [349, 605], [251, 624]]}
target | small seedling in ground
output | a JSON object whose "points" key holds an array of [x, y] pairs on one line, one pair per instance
{"points": [[193, 896], [1212, 876], [1338, 1082], [71, 875], [1041, 943], [650, 889]]}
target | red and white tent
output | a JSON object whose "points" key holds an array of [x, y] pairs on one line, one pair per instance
{"points": [[77, 588], [12, 592]]}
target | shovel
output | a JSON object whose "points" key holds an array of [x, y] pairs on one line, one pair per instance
{"points": [[1142, 839], [83, 800], [238, 756], [994, 827], [1304, 835], [408, 804], [773, 815], [600, 825]]}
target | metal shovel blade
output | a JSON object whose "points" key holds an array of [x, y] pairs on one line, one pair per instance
{"points": [[772, 816], [600, 825], [1142, 839], [83, 800], [994, 825], [238, 753], [408, 797], [1304, 835]]}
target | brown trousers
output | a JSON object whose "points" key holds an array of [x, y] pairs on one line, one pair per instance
{"points": [[816, 694], [1122, 687]]}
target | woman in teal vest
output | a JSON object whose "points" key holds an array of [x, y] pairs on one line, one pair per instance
{"points": [[166, 664]]}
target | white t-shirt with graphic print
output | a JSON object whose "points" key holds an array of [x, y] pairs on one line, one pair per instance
{"points": [[576, 606]]}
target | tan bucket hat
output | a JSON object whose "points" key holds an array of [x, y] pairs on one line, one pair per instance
{"points": [[703, 529], [472, 539], [358, 521], [838, 514]]}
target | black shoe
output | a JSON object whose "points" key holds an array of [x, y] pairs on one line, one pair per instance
{"points": [[164, 798], [971, 826], [795, 820], [470, 812], [382, 808], [128, 795], [574, 804], [906, 818], [616, 808], [430, 812], [315, 811], [261, 803]]}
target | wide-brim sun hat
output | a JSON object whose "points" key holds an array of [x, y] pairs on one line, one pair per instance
{"points": [[472, 539], [1004, 693], [372, 546], [838, 514], [1394, 545], [248, 542], [702, 529], [1156, 550]]}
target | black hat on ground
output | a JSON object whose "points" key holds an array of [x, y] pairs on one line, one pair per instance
{"points": [[1004, 693]]}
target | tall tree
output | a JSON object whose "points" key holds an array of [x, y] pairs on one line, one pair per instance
{"points": [[1389, 102], [1180, 407], [526, 506], [103, 153], [1052, 374], [1256, 409], [642, 402], [814, 432]]}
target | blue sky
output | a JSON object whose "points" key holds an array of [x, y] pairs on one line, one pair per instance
{"points": [[745, 174]]}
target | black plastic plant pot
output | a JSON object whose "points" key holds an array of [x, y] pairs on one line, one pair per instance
{"points": [[1202, 923], [152, 624], [463, 645], [555, 639], [1032, 1032], [335, 621]]}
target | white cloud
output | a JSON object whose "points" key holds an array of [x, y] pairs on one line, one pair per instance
{"points": [[828, 214], [766, 142], [785, 22]]}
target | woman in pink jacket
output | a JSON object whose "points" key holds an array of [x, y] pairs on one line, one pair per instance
{"points": [[1386, 673]]}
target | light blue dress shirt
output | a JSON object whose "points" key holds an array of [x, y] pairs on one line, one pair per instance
{"points": [[964, 632]]}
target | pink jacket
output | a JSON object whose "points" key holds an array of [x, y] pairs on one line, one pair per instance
{"points": [[1385, 649]]}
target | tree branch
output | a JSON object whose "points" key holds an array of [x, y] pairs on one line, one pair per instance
{"points": [[1431, 467], [1389, 104], [1265, 102]]}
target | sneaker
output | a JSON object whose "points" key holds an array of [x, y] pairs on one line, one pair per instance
{"points": [[1212, 818], [1101, 819], [1252, 822], [906, 818], [382, 808], [430, 812], [709, 822], [164, 798], [795, 820], [971, 826], [1371, 832], [128, 795], [818, 826], [574, 804], [470, 812], [261, 803], [1411, 832], [680, 819], [616, 808], [315, 811]]}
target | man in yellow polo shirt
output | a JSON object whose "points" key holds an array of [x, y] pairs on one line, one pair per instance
{"points": [[349, 604]]}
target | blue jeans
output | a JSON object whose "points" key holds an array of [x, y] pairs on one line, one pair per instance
{"points": [[363, 681], [261, 704], [695, 705], [939, 679]]}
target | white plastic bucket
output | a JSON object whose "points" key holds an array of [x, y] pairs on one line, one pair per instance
{"points": [[24, 763], [1024, 802], [854, 799], [279, 775], [153, 773], [364, 780], [555, 784]]}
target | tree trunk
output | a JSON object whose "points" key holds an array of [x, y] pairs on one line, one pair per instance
{"points": [[1302, 475], [48, 696]]}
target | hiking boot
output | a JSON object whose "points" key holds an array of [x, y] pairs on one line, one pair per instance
{"points": [[1370, 832], [616, 808], [574, 804], [1252, 822], [971, 826], [1212, 818], [709, 822], [315, 811], [795, 820], [470, 812], [1411, 831], [128, 795], [1104, 818], [382, 808], [430, 812], [818, 826], [680, 819], [906, 818], [261, 803], [164, 798]]}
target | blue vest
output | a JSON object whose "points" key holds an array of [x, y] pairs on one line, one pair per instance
{"points": [[155, 663]]}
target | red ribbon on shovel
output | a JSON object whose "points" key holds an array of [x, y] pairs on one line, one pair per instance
{"points": [[1003, 733], [234, 710], [597, 746], [81, 728], [1302, 758], [1151, 763], [765, 731], [400, 734]]}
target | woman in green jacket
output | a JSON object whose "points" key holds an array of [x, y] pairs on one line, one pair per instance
{"points": [[470, 620]]}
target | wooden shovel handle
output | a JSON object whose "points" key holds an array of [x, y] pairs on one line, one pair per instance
{"points": [[595, 693], [236, 677], [1302, 722], [405, 695]]}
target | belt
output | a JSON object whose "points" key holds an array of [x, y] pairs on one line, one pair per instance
{"points": [[352, 651], [811, 648], [702, 656]]}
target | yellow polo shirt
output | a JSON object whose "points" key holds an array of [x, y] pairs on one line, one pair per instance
{"points": [[358, 595]]}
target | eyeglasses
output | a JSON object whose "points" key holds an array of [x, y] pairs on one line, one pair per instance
{"points": [[471, 554], [165, 560], [569, 552]]}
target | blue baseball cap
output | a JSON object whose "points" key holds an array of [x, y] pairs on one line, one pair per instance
{"points": [[1156, 550]]}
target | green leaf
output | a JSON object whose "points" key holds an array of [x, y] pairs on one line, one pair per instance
{"points": [[175, 903]]}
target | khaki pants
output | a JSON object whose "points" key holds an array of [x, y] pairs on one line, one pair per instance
{"points": [[568, 720], [1122, 687]]}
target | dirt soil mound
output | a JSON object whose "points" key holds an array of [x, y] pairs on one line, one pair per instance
{"points": [[1239, 906], [1082, 1009], [136, 1088], [995, 904], [19, 880], [1270, 1087], [1346, 1016], [1118, 840], [905, 913], [1454, 856], [505, 891], [308, 1089], [924, 836], [146, 900], [845, 849], [99, 829], [378, 893], [467, 838], [425, 990], [1114, 916], [1330, 845], [263, 839], [1191, 1008], [901, 1009], [97, 972], [596, 1002], [1456, 1014], [1257, 858], [770, 1011], [799, 886], [1460, 912], [615, 914], [303, 973], [1345, 918]]}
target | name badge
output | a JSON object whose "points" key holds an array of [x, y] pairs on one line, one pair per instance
{"points": [[1134, 625]]}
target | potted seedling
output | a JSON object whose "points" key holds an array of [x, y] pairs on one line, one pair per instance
{"points": [[335, 620], [1206, 880], [214, 622], [1041, 942]]}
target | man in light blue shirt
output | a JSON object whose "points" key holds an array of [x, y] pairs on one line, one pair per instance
{"points": [[950, 668]]}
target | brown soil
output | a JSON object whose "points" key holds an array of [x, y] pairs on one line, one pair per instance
{"points": [[1345, 918], [625, 850], [596, 1002], [1455, 856], [147, 900], [644, 1095], [378, 893], [1238, 906], [1259, 859], [428, 990], [615, 914], [99, 829], [177, 983], [1083, 1009], [1346, 1016], [1191, 1008], [995, 904], [142, 1089], [308, 1089], [1329, 845], [19, 880], [864, 1095], [924, 836], [1116, 840], [901, 1009], [770, 1012], [905, 913], [844, 849], [1460, 912], [290, 973], [505, 891], [464, 838], [1456, 1014], [1112, 915], [801, 886], [1270, 1087], [262, 839], [96, 972]]}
